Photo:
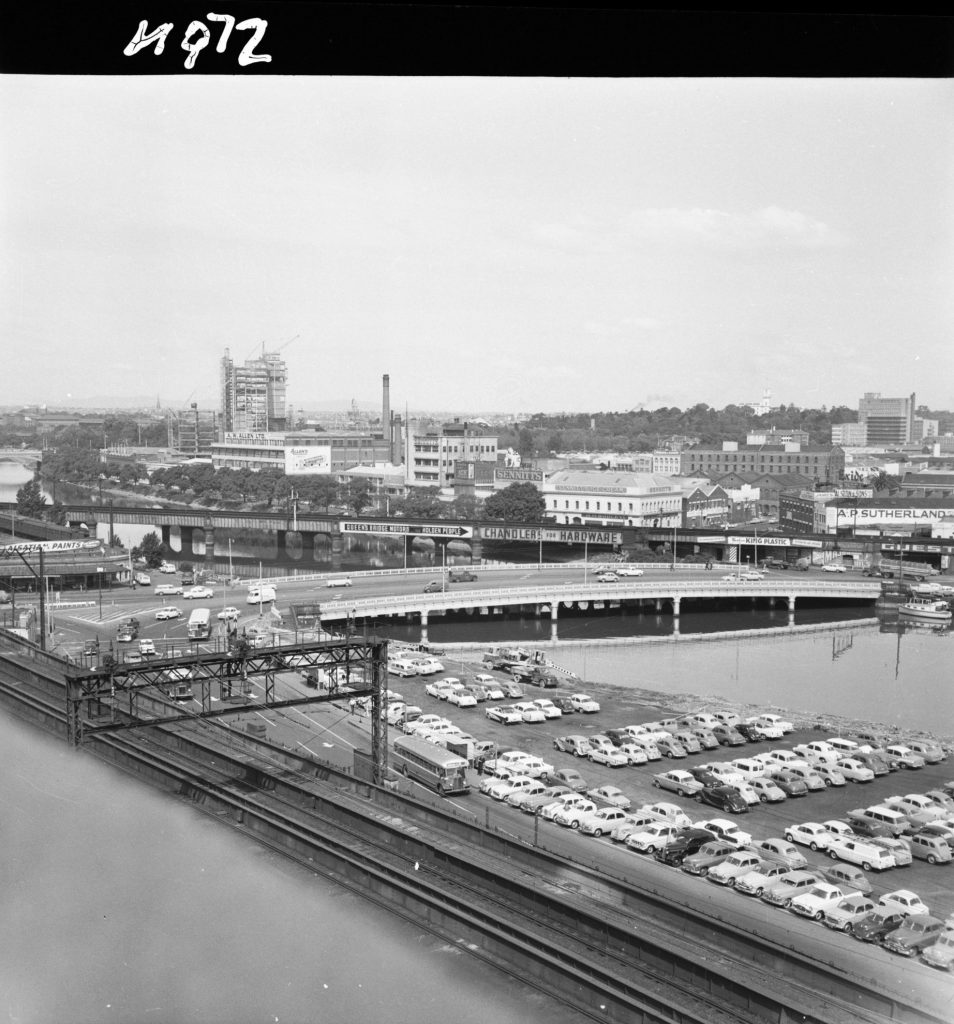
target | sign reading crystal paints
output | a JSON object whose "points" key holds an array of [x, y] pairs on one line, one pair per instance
{"points": [[405, 529], [535, 534]]}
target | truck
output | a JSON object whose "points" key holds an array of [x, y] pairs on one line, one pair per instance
{"points": [[261, 594], [534, 675], [200, 624]]}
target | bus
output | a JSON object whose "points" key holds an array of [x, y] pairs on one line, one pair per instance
{"points": [[200, 624], [431, 765]]}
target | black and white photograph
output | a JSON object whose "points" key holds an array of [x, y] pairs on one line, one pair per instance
{"points": [[476, 517]]}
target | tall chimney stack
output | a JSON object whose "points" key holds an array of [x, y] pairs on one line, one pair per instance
{"points": [[386, 412]]}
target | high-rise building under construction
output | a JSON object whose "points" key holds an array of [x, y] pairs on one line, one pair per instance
{"points": [[253, 394]]}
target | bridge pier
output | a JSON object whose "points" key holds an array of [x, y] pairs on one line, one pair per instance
{"points": [[554, 609], [424, 627], [790, 600], [476, 550], [675, 608], [337, 549], [209, 543]]}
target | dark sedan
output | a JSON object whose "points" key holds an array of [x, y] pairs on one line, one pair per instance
{"points": [[750, 732], [724, 797], [704, 776], [683, 845], [876, 925]]}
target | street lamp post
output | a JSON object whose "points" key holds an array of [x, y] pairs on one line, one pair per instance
{"points": [[99, 577]]}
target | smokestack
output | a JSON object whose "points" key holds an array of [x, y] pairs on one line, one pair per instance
{"points": [[386, 411]]}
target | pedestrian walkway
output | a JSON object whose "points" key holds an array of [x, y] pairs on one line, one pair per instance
{"points": [[111, 613]]}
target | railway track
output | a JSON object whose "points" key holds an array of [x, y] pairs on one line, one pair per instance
{"points": [[605, 962]]}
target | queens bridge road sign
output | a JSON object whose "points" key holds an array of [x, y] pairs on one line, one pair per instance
{"points": [[404, 529]]}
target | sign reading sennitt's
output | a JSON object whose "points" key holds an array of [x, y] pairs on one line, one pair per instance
{"points": [[403, 529], [33, 547]]}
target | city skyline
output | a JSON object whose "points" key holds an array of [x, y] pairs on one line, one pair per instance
{"points": [[534, 245]]}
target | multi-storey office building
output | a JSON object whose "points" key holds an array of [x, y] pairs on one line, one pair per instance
{"points": [[818, 464], [887, 421], [299, 453], [608, 498], [431, 456]]}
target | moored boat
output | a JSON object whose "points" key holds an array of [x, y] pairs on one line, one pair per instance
{"points": [[927, 608]]}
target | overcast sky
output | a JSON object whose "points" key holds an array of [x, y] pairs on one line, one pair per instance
{"points": [[492, 244]]}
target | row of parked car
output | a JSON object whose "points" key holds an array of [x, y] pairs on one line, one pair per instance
{"points": [[772, 870]]}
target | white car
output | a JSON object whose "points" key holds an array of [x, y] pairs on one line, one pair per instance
{"points": [[194, 593], [833, 567], [678, 781], [147, 647], [768, 791], [607, 577], [168, 612], [463, 698], [530, 712], [726, 831], [751, 574], [829, 774], [614, 758], [504, 714], [672, 813], [338, 581], [628, 570], [635, 754], [230, 613], [601, 821], [820, 898], [584, 703], [734, 867], [854, 770], [548, 707], [768, 721], [652, 837], [427, 666], [168, 590], [810, 834], [903, 901], [535, 768], [167, 567], [439, 688], [562, 803], [505, 787], [816, 752], [494, 692], [845, 913]]}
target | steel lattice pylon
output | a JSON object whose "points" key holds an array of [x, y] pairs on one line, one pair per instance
{"points": [[113, 697]]}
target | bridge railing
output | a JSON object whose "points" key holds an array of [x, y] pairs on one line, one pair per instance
{"points": [[598, 592]]}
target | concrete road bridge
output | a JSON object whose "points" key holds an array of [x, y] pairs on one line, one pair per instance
{"points": [[548, 599]]}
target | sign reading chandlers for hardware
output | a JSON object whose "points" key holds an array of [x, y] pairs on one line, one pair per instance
{"points": [[533, 533], [414, 529]]}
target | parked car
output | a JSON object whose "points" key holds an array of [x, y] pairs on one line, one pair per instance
{"points": [[932, 752], [904, 902], [666, 811], [914, 934], [584, 703], [727, 831], [677, 781], [752, 733], [780, 851], [848, 911], [687, 741], [789, 784], [820, 897], [848, 876], [532, 804], [876, 924], [811, 834], [635, 753], [702, 774], [548, 707], [817, 752], [505, 714], [738, 863], [168, 612], [462, 697], [669, 747], [728, 736], [578, 746], [833, 567], [753, 882], [924, 846], [564, 704], [652, 837], [727, 798], [829, 774], [860, 851], [707, 857], [569, 777], [940, 954], [767, 789], [601, 821], [684, 843], [551, 810], [785, 888], [634, 821], [614, 758], [610, 795], [705, 737]]}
